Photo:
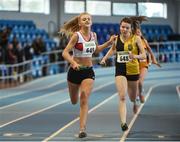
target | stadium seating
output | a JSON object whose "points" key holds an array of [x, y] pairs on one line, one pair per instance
{"points": [[26, 31], [17, 24], [156, 32], [151, 32]]}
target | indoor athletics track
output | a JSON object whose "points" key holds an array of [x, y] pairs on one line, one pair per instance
{"points": [[41, 110]]}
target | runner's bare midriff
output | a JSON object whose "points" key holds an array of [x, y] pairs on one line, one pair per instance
{"points": [[85, 61]]}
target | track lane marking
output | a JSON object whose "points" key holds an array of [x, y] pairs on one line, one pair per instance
{"points": [[178, 90], [34, 113], [75, 120], [65, 101], [125, 134], [36, 89], [34, 98]]}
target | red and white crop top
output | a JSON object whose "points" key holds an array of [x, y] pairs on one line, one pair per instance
{"points": [[84, 48]]}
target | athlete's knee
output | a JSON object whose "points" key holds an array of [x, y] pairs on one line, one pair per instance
{"points": [[83, 98], [123, 98]]}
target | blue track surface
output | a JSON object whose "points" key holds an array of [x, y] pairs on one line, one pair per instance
{"points": [[41, 110]]}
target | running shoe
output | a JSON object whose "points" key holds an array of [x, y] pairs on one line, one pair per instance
{"points": [[124, 126], [82, 134]]}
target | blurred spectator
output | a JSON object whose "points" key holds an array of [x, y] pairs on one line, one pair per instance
{"points": [[4, 42], [38, 46], [10, 59], [18, 51], [28, 51], [28, 54]]}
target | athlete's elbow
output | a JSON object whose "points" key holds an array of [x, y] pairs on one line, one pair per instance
{"points": [[64, 54]]}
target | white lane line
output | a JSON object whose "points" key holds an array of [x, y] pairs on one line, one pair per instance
{"points": [[34, 113], [178, 90], [49, 94], [65, 101], [30, 90], [122, 139], [75, 120], [34, 98]]}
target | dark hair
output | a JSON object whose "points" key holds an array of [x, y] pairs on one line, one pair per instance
{"points": [[136, 22], [126, 20]]}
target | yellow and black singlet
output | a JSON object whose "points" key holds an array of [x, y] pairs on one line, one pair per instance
{"points": [[124, 65]]}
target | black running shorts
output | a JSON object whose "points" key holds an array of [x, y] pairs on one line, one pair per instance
{"points": [[77, 76]]}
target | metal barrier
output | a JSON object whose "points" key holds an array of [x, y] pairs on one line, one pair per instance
{"points": [[47, 63], [166, 51]]}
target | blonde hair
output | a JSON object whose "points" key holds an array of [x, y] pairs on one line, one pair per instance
{"points": [[72, 25]]}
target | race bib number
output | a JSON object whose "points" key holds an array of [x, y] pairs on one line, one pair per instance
{"points": [[89, 47], [122, 57]]}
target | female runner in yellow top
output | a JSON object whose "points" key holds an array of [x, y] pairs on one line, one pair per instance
{"points": [[129, 49]]}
